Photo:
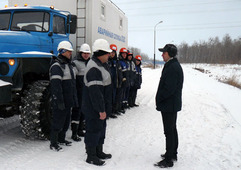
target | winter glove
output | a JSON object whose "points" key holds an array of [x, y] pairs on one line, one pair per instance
{"points": [[61, 106]]}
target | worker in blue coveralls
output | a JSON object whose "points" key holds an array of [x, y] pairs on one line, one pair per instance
{"points": [[96, 103], [63, 92], [125, 78], [77, 117]]}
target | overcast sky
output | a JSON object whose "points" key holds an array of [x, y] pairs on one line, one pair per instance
{"points": [[183, 20]]}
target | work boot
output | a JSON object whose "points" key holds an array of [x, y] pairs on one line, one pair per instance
{"points": [[122, 111], [100, 154], [53, 141], [81, 129], [113, 116], [117, 113], [126, 105], [173, 158], [92, 158], [131, 104], [61, 139], [74, 128], [56, 147], [65, 142], [164, 163]]}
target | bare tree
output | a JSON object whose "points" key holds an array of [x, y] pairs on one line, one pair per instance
{"points": [[227, 51], [137, 51]]}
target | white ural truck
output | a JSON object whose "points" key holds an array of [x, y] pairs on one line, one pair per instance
{"points": [[95, 19]]}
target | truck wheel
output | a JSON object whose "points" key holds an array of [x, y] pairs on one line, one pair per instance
{"points": [[36, 110]]}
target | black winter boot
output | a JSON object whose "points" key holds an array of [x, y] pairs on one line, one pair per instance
{"points": [[100, 154], [81, 129], [61, 139], [130, 101], [173, 158], [164, 163], [53, 142], [92, 158], [116, 109], [74, 128], [113, 116]]}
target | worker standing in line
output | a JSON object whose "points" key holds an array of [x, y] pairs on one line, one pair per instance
{"points": [[96, 103], [137, 82], [63, 93], [116, 77], [125, 80], [132, 74], [77, 117]]}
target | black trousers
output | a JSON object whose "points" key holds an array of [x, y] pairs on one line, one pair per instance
{"points": [[170, 130], [76, 113], [132, 96], [61, 119], [59, 125], [118, 99], [95, 131]]}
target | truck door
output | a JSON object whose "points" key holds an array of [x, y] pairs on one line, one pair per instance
{"points": [[33, 26], [59, 31]]}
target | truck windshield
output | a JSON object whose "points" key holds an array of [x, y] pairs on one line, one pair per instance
{"points": [[4, 20], [30, 21]]}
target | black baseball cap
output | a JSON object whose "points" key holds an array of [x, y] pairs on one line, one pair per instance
{"points": [[170, 48]]}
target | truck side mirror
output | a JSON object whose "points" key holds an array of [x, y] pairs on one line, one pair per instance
{"points": [[72, 24]]}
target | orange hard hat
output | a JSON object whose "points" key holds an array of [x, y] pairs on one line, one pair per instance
{"points": [[113, 47], [129, 52], [138, 57], [123, 50]]}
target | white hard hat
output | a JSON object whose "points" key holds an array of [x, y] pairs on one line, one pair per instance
{"points": [[85, 48], [65, 45], [101, 44]]}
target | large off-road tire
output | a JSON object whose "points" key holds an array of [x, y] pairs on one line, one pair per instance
{"points": [[36, 110]]}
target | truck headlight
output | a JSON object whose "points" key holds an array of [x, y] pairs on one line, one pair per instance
{"points": [[11, 62]]}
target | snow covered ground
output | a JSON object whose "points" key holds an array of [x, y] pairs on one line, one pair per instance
{"points": [[209, 131]]}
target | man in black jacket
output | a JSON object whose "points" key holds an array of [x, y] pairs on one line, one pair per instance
{"points": [[63, 91], [169, 102], [97, 95]]}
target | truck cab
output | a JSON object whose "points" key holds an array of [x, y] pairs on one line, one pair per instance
{"points": [[29, 37]]}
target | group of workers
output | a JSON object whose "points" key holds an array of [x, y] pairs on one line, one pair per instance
{"points": [[87, 90]]}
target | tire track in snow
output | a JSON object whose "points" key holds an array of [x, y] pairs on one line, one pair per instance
{"points": [[21, 151], [15, 148]]}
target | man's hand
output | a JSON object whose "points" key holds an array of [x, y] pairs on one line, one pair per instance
{"points": [[102, 115]]}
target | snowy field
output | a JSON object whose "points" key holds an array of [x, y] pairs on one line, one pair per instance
{"points": [[209, 130]]}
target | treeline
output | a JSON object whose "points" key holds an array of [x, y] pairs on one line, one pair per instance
{"points": [[227, 51], [137, 51]]}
